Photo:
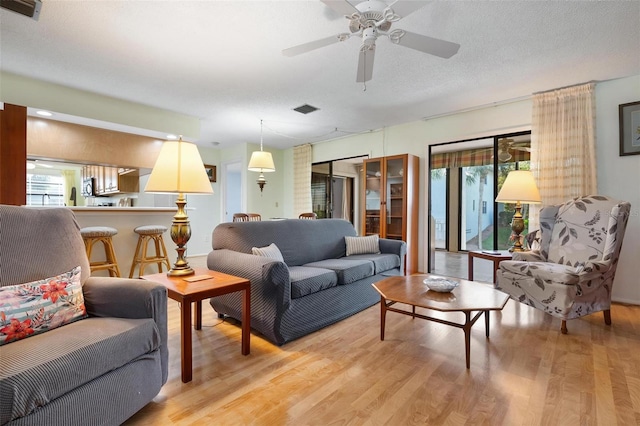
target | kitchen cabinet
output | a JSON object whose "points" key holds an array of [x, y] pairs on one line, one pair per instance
{"points": [[112, 180], [390, 195]]}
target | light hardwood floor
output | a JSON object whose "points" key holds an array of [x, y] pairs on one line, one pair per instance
{"points": [[527, 373]]}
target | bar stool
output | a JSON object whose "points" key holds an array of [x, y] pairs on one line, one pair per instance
{"points": [[103, 234], [146, 234]]}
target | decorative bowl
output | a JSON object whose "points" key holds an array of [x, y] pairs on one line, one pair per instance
{"points": [[441, 285]]}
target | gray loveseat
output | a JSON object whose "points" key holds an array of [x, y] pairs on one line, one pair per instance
{"points": [[315, 286], [98, 370]]}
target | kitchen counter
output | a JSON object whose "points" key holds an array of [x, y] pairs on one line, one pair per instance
{"points": [[125, 219], [109, 209]]}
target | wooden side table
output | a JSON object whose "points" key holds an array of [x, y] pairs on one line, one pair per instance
{"points": [[495, 256], [195, 288]]}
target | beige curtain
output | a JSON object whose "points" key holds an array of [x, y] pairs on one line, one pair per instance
{"points": [[302, 157], [69, 181], [563, 156], [346, 199]]}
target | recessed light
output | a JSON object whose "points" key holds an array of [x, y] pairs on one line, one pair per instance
{"points": [[44, 113], [172, 137]]}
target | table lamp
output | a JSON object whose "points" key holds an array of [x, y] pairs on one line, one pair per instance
{"points": [[519, 187], [179, 170]]}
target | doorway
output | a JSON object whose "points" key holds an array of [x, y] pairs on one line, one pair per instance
{"points": [[233, 193], [464, 178], [334, 185]]}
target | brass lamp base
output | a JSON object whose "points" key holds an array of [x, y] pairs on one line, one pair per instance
{"points": [[180, 234], [517, 226]]}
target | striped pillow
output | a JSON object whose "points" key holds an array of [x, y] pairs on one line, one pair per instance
{"points": [[39, 306], [271, 251], [362, 245]]}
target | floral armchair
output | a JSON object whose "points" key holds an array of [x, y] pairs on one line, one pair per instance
{"points": [[571, 274]]}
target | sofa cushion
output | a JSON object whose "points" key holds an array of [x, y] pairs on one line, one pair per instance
{"points": [[348, 270], [381, 262], [63, 359], [362, 245], [306, 280], [39, 306], [271, 251]]}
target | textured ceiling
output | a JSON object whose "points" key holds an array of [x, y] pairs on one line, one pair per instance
{"points": [[221, 61]]}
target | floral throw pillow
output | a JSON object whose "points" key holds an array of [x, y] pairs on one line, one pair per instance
{"points": [[39, 306]]}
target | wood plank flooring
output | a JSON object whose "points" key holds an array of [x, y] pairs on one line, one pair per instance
{"points": [[527, 373]]}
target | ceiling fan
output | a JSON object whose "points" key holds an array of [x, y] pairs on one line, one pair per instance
{"points": [[373, 18], [506, 145]]}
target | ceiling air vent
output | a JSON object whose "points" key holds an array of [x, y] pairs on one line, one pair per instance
{"points": [[306, 109], [30, 8]]}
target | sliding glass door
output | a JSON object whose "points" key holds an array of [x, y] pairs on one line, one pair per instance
{"points": [[464, 178]]}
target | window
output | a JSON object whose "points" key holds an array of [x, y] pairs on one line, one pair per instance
{"points": [[44, 190], [484, 207]]}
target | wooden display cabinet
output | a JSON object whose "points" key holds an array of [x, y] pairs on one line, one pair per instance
{"points": [[390, 195]]}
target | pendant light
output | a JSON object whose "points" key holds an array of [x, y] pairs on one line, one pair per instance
{"points": [[261, 161]]}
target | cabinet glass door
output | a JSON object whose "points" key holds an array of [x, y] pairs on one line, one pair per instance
{"points": [[373, 196], [395, 197]]}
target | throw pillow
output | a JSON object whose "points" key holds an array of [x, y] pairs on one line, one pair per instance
{"points": [[271, 251], [35, 307], [362, 245]]}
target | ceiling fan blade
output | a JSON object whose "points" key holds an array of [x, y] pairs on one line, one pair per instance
{"points": [[343, 7], [365, 64], [313, 45], [404, 8], [426, 44]]}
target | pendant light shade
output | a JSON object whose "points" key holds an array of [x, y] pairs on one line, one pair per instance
{"points": [[261, 161]]}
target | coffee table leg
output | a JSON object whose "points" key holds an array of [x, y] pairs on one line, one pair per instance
{"points": [[246, 321], [185, 341], [467, 337], [383, 315]]}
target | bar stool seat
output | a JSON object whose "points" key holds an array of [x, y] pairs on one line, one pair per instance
{"points": [[147, 233], [103, 234]]}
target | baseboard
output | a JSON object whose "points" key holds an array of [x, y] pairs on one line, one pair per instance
{"points": [[625, 301]]}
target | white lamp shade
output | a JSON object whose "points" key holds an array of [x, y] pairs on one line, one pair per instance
{"points": [[519, 186], [261, 161], [179, 168]]}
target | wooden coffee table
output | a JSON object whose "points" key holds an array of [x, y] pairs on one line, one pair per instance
{"points": [[467, 298], [185, 292]]}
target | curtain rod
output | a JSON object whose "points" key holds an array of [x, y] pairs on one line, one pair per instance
{"points": [[566, 87], [478, 107]]}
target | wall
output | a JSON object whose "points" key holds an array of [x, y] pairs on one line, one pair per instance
{"points": [[617, 176], [20, 90]]}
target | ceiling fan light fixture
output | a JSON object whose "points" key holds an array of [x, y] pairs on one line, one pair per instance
{"points": [[369, 36], [504, 156]]}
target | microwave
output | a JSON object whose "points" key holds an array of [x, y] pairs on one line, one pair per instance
{"points": [[89, 187]]}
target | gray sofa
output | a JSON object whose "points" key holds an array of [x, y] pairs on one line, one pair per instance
{"points": [[314, 287], [99, 370]]}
